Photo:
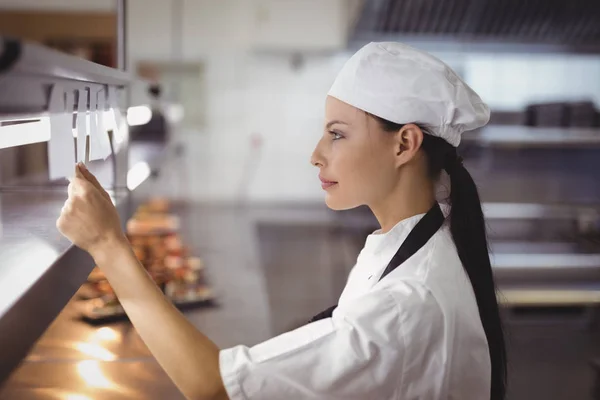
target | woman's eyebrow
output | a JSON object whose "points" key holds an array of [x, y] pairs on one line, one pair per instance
{"points": [[330, 123]]}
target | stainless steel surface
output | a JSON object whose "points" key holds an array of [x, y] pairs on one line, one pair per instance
{"points": [[561, 27], [70, 339], [25, 83], [563, 176], [37, 60], [537, 211], [122, 35], [91, 380], [549, 297], [533, 137], [39, 270]]}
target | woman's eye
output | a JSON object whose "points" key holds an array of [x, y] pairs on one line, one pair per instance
{"points": [[336, 136]]}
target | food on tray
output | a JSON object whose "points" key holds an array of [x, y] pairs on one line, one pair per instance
{"points": [[108, 308], [173, 243], [152, 224], [173, 262], [195, 263], [159, 205], [156, 243]]}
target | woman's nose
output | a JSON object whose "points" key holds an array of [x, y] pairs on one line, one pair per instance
{"points": [[316, 158]]}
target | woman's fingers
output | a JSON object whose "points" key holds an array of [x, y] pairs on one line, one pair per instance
{"points": [[78, 171], [83, 172]]}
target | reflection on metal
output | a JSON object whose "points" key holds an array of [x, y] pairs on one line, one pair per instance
{"points": [[533, 211], [545, 261], [93, 376], [546, 297], [39, 270], [96, 351], [32, 255], [74, 396], [106, 334]]}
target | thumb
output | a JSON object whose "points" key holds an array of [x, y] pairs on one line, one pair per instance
{"points": [[78, 173], [84, 173]]}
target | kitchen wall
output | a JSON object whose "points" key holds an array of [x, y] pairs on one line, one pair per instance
{"points": [[253, 88]]}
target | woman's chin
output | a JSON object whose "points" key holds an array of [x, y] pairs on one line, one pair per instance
{"points": [[337, 204]]}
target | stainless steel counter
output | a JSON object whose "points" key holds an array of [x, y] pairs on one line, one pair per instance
{"points": [[39, 269], [79, 361]]}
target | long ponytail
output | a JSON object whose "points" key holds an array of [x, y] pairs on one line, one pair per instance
{"points": [[467, 225]]}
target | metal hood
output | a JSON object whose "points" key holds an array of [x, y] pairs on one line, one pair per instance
{"points": [[554, 25]]}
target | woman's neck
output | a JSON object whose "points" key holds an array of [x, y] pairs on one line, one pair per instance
{"points": [[412, 196]]}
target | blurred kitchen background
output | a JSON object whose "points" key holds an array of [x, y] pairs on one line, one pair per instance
{"points": [[224, 109]]}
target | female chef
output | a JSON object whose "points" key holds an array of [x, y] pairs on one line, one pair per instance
{"points": [[418, 318]]}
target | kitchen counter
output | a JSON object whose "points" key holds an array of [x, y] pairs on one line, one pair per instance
{"points": [[39, 269]]}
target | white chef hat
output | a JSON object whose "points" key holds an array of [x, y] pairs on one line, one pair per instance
{"points": [[404, 85]]}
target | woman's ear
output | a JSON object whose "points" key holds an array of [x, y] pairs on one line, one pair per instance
{"points": [[408, 141]]}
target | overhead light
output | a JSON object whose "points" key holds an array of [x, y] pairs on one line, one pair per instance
{"points": [[137, 174], [138, 115]]}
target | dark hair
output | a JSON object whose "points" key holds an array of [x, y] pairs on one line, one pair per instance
{"points": [[467, 226]]}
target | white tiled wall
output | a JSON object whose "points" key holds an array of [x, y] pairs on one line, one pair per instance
{"points": [[281, 105], [260, 93]]}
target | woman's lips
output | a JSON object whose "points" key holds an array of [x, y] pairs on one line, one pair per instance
{"points": [[326, 184]]}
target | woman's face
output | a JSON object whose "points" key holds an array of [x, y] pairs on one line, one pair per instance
{"points": [[355, 156]]}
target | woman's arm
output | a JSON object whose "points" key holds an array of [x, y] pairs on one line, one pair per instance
{"points": [[191, 360]]}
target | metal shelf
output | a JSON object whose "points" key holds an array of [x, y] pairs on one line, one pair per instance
{"points": [[39, 269], [518, 136], [27, 72]]}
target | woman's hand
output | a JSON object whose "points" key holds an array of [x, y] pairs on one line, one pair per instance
{"points": [[89, 219]]}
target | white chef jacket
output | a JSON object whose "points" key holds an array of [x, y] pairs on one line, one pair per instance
{"points": [[416, 334]]}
